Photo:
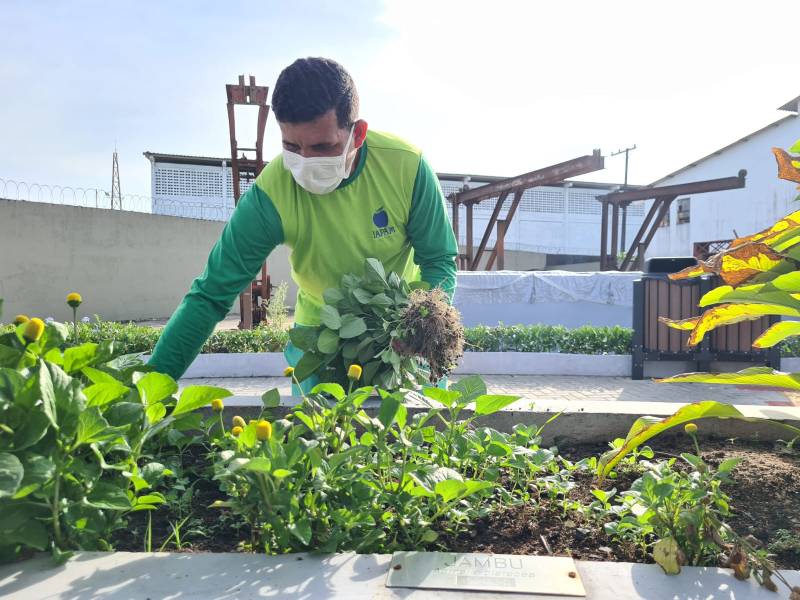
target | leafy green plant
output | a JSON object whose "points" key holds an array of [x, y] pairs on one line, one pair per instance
{"points": [[334, 477], [74, 425], [390, 327]]}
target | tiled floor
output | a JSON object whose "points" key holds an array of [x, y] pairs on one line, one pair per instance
{"points": [[565, 388]]}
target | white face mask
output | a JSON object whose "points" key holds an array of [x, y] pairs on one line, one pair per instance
{"points": [[318, 174]]}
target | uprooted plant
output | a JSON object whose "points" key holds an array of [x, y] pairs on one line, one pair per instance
{"points": [[403, 334]]}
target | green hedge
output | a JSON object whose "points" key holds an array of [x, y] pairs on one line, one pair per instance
{"points": [[549, 338], [130, 337]]}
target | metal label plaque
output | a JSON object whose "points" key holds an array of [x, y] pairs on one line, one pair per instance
{"points": [[553, 575]]}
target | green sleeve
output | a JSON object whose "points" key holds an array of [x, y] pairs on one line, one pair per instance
{"points": [[252, 232], [430, 231]]}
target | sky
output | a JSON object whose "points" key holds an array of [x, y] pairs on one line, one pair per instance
{"points": [[492, 88]]}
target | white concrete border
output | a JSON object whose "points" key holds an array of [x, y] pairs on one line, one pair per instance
{"points": [[124, 575], [272, 364]]}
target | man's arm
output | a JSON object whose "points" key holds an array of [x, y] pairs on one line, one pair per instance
{"points": [[251, 234], [431, 233]]}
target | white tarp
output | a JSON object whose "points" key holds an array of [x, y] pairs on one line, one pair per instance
{"points": [[521, 287]]}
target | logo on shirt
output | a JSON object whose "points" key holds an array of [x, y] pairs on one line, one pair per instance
{"points": [[381, 221]]}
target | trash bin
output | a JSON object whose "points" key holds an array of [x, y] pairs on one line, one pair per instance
{"points": [[655, 295]]}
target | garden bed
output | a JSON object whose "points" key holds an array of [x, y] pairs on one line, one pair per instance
{"points": [[765, 499]]}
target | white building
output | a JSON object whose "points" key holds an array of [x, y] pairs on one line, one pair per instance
{"points": [[722, 216], [554, 227]]}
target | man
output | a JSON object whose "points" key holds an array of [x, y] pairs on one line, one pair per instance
{"points": [[337, 195]]}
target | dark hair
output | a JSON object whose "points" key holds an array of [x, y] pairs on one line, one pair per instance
{"points": [[310, 87]]}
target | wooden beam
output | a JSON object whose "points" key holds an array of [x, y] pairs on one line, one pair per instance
{"points": [[470, 241], [603, 235], [683, 189], [547, 175], [629, 256], [485, 239]]}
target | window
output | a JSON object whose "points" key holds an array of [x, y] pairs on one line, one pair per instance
{"points": [[665, 220], [684, 210]]}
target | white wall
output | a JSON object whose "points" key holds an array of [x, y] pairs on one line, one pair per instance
{"points": [[127, 265], [716, 215]]}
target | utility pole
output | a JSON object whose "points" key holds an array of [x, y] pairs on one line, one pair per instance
{"points": [[116, 196], [624, 206]]}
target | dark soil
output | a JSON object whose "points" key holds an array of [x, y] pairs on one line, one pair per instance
{"points": [[765, 499]]}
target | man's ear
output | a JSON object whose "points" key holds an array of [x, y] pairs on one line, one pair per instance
{"points": [[359, 133]]}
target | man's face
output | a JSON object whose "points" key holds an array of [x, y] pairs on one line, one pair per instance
{"points": [[321, 137]]}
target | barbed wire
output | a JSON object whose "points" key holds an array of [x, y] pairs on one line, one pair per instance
{"points": [[11, 189]]}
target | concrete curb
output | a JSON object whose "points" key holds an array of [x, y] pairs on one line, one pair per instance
{"points": [[123, 575], [272, 364]]}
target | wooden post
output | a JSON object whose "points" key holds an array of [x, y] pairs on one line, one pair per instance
{"points": [[604, 236]]}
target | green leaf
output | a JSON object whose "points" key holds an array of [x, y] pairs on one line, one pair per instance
{"points": [[100, 394], [155, 412], [498, 449], [98, 376], [381, 300], [154, 387], [352, 327], [374, 270], [11, 473], [108, 496], [31, 431], [446, 397], [362, 295], [78, 357], [92, 427], [334, 389], [388, 411], [271, 399], [762, 376], [38, 471], [31, 533], [488, 404], [281, 473], [646, 428], [450, 489], [795, 148], [151, 499], [47, 393], [777, 333], [470, 388], [304, 338], [728, 465], [301, 529], [328, 342], [308, 364], [329, 317], [419, 285], [429, 536], [332, 296], [197, 396], [259, 465]]}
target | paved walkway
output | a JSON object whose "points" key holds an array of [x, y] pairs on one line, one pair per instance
{"points": [[565, 388]]}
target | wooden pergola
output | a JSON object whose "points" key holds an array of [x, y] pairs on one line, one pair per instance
{"points": [[552, 175], [662, 199]]}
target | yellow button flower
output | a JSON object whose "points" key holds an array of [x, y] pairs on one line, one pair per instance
{"points": [[20, 319], [288, 371], [239, 422], [74, 299], [217, 405], [33, 330], [263, 430], [237, 431], [354, 372], [690, 428]]}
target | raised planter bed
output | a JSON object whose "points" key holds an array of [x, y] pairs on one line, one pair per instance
{"points": [[124, 575]]}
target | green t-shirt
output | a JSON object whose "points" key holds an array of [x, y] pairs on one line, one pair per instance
{"points": [[390, 208]]}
